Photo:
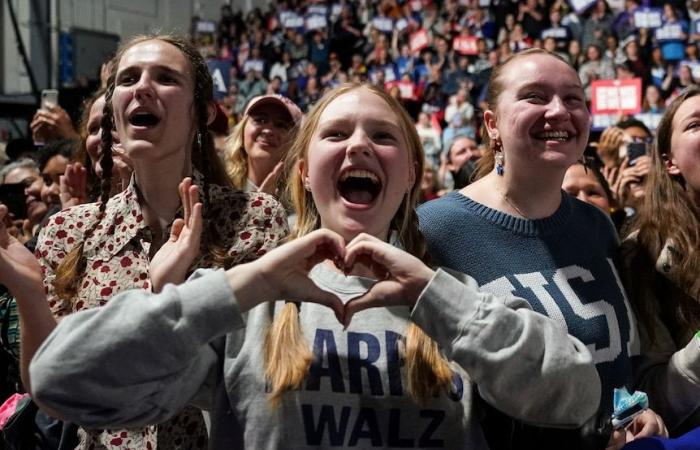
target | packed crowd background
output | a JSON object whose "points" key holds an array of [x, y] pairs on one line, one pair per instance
{"points": [[270, 67]]}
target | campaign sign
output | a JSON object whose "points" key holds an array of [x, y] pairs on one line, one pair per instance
{"points": [[696, 27], [293, 21], [651, 120], [401, 24], [669, 32], [383, 24], [219, 71], [320, 10], [419, 40], [466, 45], [336, 9], [603, 121], [316, 22], [648, 17], [616, 96], [558, 33], [581, 5]]}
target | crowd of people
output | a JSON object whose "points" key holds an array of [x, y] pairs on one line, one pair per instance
{"points": [[367, 243]]}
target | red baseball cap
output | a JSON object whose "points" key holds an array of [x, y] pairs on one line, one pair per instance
{"points": [[294, 112]]}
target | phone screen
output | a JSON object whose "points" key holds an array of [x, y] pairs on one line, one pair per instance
{"points": [[12, 195], [49, 98], [635, 150]]}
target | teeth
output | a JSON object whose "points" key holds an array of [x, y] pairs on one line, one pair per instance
{"points": [[557, 135], [359, 173]]}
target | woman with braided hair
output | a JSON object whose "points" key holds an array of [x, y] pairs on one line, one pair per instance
{"points": [[159, 101]]}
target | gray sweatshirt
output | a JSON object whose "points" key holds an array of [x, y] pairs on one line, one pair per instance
{"points": [[143, 356]]}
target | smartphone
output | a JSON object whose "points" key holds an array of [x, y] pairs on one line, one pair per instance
{"points": [[49, 99], [13, 196], [635, 150]]}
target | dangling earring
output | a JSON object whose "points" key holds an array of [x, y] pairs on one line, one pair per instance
{"points": [[199, 139], [307, 184], [498, 156]]}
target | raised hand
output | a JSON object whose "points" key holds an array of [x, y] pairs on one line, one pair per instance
{"points": [[269, 184], [52, 124], [73, 186], [401, 276], [283, 274], [19, 269], [172, 261]]}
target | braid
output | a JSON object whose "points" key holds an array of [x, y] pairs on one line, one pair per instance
{"points": [[70, 271]]}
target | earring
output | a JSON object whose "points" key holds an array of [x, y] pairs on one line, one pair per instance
{"points": [[307, 184], [497, 147], [199, 139]]}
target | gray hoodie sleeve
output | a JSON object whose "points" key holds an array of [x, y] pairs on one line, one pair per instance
{"points": [[146, 355], [522, 362]]}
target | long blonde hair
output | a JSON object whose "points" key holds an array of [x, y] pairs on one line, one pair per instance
{"points": [[235, 156], [287, 353]]}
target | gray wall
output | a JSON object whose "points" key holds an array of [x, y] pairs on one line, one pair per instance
{"points": [[122, 17]]}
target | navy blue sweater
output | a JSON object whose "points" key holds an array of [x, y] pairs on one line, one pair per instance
{"points": [[563, 265]]}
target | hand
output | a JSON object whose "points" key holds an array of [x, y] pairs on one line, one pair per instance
{"points": [[122, 169], [172, 261], [269, 184], [283, 274], [19, 269], [647, 424], [52, 125], [628, 186], [402, 277], [73, 186]]}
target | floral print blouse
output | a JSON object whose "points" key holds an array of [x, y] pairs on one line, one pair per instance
{"points": [[116, 248]]}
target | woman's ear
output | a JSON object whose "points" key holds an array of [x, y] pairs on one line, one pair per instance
{"points": [[412, 176], [671, 167], [303, 175], [211, 112], [490, 124]]}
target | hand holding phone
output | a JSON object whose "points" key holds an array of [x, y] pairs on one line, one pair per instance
{"points": [[49, 99], [14, 197]]}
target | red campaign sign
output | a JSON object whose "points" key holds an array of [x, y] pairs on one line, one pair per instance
{"points": [[616, 96], [466, 45], [406, 89], [419, 40]]}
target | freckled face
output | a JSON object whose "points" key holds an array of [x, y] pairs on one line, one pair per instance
{"points": [[358, 165]]}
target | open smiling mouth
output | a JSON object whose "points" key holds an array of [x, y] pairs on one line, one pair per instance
{"points": [[144, 119], [358, 186]]}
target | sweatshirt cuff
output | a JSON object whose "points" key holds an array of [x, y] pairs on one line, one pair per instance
{"points": [[209, 302], [445, 307], [690, 360]]}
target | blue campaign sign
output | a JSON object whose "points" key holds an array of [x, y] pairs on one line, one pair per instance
{"points": [[648, 17], [220, 74], [669, 32], [696, 26]]}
